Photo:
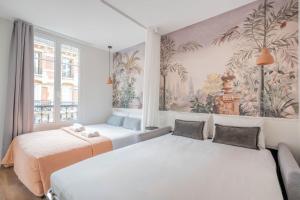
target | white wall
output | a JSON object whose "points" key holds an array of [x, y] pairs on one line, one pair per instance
{"points": [[283, 130], [95, 100], [275, 130], [95, 103], [5, 35], [130, 112]]}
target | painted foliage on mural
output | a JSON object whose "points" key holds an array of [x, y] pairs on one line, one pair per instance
{"points": [[210, 67], [128, 78]]}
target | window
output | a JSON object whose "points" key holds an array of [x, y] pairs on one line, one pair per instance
{"points": [[67, 71], [56, 81], [44, 61], [69, 82], [37, 63]]}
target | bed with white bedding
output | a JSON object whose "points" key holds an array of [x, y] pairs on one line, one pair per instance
{"points": [[171, 168], [119, 136], [36, 155]]}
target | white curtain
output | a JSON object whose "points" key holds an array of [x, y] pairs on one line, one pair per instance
{"points": [[151, 80]]}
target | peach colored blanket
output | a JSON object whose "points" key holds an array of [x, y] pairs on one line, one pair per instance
{"points": [[37, 155]]}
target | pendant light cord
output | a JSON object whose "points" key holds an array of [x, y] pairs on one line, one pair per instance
{"points": [[262, 108], [109, 48], [265, 24]]}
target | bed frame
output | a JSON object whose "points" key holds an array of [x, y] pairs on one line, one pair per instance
{"points": [[290, 172], [274, 153]]}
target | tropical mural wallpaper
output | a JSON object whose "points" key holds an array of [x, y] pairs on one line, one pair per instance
{"points": [[210, 67], [128, 77]]}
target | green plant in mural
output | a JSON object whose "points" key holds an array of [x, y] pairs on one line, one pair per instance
{"points": [[280, 76], [167, 64], [204, 102], [128, 93], [126, 68], [200, 107], [116, 92], [188, 47], [229, 35], [167, 98], [117, 63], [278, 102], [130, 65]]}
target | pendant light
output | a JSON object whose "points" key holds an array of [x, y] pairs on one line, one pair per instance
{"points": [[265, 57], [109, 80]]}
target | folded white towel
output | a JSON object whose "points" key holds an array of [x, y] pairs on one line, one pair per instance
{"points": [[77, 127], [90, 133]]}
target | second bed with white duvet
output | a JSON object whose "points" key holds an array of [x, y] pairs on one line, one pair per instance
{"points": [[172, 167]]}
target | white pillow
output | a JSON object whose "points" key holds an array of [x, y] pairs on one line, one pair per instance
{"points": [[194, 117], [242, 121]]}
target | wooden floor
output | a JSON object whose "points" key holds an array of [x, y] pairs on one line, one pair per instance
{"points": [[11, 188]]}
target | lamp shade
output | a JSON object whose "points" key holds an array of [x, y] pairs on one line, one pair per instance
{"points": [[265, 57], [109, 81]]}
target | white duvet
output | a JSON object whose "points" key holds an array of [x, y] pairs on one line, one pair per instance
{"points": [[119, 136], [171, 168]]}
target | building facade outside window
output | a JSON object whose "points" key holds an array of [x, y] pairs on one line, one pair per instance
{"points": [[56, 81], [69, 82]]}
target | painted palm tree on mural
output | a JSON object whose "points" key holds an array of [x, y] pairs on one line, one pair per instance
{"points": [[167, 53], [126, 68], [127, 63], [281, 76]]}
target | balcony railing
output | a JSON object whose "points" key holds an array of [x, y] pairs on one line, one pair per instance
{"points": [[44, 111], [68, 111]]}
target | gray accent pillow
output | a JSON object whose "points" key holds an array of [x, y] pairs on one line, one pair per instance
{"points": [[190, 129], [115, 120], [237, 136], [132, 123]]}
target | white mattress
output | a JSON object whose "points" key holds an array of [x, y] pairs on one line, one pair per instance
{"points": [[119, 136], [171, 168]]}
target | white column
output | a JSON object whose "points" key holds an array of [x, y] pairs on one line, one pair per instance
{"points": [[150, 115]]}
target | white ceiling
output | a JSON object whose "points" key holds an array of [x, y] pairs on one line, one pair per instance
{"points": [[171, 15], [98, 25], [86, 20]]}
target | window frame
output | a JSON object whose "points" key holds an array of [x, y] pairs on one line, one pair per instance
{"points": [[71, 66], [59, 41], [38, 71], [67, 71]]}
